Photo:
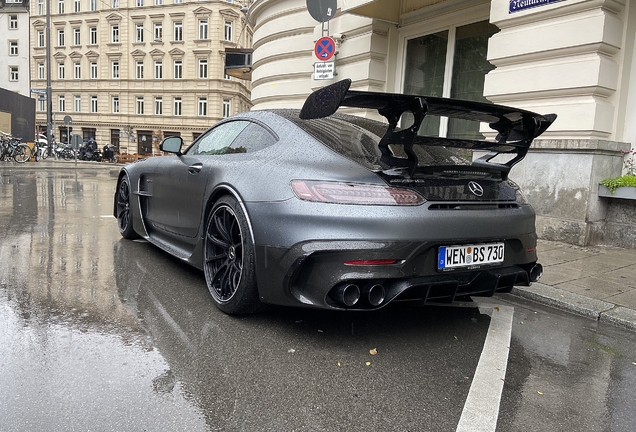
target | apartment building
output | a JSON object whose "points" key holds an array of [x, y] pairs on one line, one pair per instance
{"points": [[130, 72], [14, 45]]}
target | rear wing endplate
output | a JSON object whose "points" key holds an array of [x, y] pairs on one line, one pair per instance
{"points": [[516, 128]]}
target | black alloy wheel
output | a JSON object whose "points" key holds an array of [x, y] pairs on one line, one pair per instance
{"points": [[229, 259], [124, 217]]}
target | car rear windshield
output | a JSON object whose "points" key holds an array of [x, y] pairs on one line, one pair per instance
{"points": [[357, 138]]}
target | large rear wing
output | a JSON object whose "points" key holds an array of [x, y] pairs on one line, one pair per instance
{"points": [[516, 128]]}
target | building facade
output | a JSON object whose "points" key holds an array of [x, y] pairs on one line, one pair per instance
{"points": [[14, 46], [574, 58], [130, 72]]}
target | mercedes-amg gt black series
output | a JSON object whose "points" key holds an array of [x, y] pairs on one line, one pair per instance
{"points": [[314, 208]]}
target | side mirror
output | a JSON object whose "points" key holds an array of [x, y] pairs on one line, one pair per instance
{"points": [[171, 145]]}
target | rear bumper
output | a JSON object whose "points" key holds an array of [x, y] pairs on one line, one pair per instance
{"points": [[301, 250]]}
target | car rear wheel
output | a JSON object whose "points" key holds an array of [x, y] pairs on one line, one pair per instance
{"points": [[229, 258], [124, 216]]}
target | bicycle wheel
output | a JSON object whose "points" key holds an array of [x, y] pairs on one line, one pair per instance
{"points": [[22, 153], [45, 152]]}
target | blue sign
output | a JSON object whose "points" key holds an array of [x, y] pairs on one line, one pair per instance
{"points": [[519, 5], [325, 48]]}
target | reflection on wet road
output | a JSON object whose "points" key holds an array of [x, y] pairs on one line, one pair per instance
{"points": [[101, 333]]}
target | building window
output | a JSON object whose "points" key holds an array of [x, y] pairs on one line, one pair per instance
{"points": [[60, 71], [114, 34], [115, 104], [203, 106], [158, 32], [60, 6], [13, 22], [178, 1], [158, 106], [115, 4], [158, 2], [93, 104], [76, 6], [60, 38], [158, 69], [77, 37], [178, 69], [227, 77], [13, 48], [61, 104], [176, 106], [140, 105], [93, 35], [40, 38], [140, 32], [203, 68], [203, 29], [178, 31], [140, 70], [77, 103], [93, 70], [41, 7], [40, 70], [228, 31], [77, 70], [92, 5], [140, 3], [465, 47], [41, 104], [13, 73], [114, 67], [227, 108]]}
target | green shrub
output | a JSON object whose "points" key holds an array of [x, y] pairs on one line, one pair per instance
{"points": [[616, 182]]}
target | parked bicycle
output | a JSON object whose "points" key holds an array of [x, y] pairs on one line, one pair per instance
{"points": [[11, 148]]}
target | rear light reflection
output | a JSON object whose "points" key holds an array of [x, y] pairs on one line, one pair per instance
{"points": [[354, 193]]}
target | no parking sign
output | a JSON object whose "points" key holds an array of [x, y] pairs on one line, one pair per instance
{"points": [[325, 48]]}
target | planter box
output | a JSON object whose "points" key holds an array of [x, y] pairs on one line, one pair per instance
{"points": [[627, 192]]}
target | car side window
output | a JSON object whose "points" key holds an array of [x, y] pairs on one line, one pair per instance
{"points": [[253, 138], [218, 141]]}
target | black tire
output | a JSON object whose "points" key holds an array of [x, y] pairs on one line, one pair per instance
{"points": [[229, 262], [22, 153], [122, 206]]}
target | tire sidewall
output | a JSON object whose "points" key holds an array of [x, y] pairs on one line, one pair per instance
{"points": [[245, 299]]}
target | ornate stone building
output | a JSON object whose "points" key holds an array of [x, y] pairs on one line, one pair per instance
{"points": [[129, 72], [575, 58]]}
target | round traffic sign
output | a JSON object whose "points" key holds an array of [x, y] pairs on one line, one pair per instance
{"points": [[322, 10], [325, 48]]}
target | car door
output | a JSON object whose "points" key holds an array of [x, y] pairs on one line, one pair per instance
{"points": [[181, 182]]}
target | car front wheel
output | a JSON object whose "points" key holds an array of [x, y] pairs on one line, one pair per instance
{"points": [[124, 215], [229, 258]]}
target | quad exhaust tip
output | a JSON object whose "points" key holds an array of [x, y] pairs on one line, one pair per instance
{"points": [[347, 294], [536, 272], [375, 294]]}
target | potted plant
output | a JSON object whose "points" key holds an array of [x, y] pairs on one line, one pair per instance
{"points": [[623, 186]]}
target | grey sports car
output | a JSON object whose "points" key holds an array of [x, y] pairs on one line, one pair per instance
{"points": [[318, 209]]}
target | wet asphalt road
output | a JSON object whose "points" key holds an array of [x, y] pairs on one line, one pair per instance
{"points": [[102, 334]]}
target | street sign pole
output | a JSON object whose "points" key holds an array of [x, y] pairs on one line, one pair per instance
{"points": [[49, 101]]}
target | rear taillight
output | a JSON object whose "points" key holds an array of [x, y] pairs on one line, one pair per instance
{"points": [[354, 193]]}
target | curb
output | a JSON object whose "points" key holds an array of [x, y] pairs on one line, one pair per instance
{"points": [[598, 310]]}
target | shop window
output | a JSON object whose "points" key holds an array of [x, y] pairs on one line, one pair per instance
{"points": [[464, 48]]}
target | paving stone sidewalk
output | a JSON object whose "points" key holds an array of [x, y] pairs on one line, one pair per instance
{"points": [[598, 281]]}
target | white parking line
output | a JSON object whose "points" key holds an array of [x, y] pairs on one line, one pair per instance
{"points": [[481, 409]]}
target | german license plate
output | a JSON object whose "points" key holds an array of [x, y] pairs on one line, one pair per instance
{"points": [[450, 257]]}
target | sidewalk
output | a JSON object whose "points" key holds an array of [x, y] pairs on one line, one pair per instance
{"points": [[597, 281]]}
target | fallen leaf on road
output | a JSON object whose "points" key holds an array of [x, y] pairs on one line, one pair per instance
{"points": [[374, 351], [368, 363], [539, 392], [338, 364], [496, 308], [319, 331], [455, 337], [291, 350]]}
